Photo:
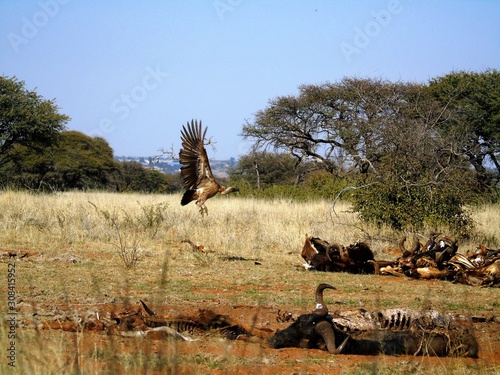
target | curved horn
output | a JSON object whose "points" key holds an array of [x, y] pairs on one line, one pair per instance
{"points": [[414, 248], [416, 244], [325, 330], [321, 308], [402, 244], [148, 310]]}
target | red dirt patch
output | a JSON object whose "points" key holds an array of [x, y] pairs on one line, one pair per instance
{"points": [[212, 354]]}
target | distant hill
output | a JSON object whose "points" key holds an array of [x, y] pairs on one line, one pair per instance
{"points": [[170, 166]]}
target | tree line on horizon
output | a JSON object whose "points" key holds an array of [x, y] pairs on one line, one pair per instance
{"points": [[404, 153]]}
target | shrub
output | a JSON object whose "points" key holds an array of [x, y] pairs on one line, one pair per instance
{"points": [[416, 207]]}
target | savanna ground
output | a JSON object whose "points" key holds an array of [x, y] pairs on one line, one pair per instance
{"points": [[73, 267]]}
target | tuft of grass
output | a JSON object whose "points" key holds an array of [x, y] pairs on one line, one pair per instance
{"points": [[404, 367]]}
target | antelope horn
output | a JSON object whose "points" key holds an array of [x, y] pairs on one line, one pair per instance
{"points": [[416, 244], [325, 330], [147, 309], [402, 244], [414, 248], [321, 308]]}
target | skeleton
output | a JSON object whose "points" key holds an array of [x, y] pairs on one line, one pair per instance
{"points": [[391, 332]]}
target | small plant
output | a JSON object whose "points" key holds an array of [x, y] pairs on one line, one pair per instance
{"points": [[129, 254], [152, 217]]}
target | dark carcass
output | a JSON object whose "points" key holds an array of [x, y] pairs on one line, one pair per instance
{"points": [[323, 256], [309, 330], [391, 332]]}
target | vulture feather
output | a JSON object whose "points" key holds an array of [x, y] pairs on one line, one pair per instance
{"points": [[196, 173]]}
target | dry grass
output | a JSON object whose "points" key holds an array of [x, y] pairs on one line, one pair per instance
{"points": [[80, 238]]}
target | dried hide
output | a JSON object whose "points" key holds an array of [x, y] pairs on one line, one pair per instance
{"points": [[323, 256], [439, 259]]}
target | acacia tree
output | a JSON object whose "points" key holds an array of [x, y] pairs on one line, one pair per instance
{"points": [[26, 118], [340, 125], [471, 117], [383, 135]]}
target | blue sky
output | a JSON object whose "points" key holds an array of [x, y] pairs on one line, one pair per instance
{"points": [[134, 72]]}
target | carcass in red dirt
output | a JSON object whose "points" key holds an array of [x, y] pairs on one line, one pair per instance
{"points": [[391, 332], [142, 321]]}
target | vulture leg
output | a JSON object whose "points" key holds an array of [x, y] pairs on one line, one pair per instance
{"points": [[203, 209]]}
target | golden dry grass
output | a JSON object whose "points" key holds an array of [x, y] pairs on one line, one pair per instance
{"points": [[77, 236], [245, 227]]}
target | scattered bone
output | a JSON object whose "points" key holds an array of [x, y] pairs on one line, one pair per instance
{"points": [[158, 333]]}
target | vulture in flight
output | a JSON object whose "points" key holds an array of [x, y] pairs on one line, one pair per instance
{"points": [[196, 174]]}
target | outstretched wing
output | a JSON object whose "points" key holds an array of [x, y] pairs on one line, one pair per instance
{"points": [[193, 156]]}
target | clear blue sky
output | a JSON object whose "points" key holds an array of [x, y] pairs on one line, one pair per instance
{"points": [[135, 71]]}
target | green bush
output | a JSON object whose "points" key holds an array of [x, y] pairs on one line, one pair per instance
{"points": [[322, 184], [317, 185], [414, 207]]}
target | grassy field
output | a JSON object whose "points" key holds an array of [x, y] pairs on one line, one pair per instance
{"points": [[89, 250]]}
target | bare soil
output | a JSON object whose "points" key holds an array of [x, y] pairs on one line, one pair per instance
{"points": [[97, 350], [68, 270]]}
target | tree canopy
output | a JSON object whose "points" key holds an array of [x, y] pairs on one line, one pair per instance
{"points": [[392, 140], [471, 118], [76, 161], [263, 169], [26, 118]]}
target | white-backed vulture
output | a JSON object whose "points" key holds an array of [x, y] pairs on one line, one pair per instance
{"points": [[196, 173]]}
